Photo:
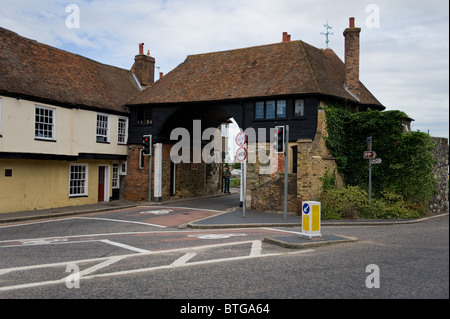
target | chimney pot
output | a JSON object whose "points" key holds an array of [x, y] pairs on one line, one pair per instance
{"points": [[161, 75], [286, 37], [141, 48], [352, 22], [148, 52]]}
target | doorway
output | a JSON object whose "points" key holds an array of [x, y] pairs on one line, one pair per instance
{"points": [[172, 178], [103, 183]]}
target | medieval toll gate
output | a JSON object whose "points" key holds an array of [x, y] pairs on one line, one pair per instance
{"points": [[286, 83], [79, 135]]}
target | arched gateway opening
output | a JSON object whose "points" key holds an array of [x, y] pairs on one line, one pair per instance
{"points": [[188, 152]]}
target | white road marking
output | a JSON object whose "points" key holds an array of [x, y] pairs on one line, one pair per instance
{"points": [[139, 250], [121, 221], [157, 212], [196, 263], [180, 262], [89, 273], [190, 208], [104, 264], [70, 218], [256, 248], [183, 259], [42, 241], [64, 241], [282, 230], [60, 238], [216, 236]]}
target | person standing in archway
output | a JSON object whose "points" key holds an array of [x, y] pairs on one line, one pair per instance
{"points": [[227, 175]]}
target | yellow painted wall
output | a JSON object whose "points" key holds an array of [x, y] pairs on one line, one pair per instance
{"points": [[41, 184]]}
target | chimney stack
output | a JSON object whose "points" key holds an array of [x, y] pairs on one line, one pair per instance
{"points": [[351, 35], [286, 37], [144, 67]]}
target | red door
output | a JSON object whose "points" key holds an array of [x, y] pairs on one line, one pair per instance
{"points": [[101, 183]]}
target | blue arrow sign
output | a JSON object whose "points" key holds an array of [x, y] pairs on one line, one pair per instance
{"points": [[305, 208]]}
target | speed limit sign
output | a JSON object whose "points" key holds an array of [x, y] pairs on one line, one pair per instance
{"points": [[241, 154], [241, 138]]}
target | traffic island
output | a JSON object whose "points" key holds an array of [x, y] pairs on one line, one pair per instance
{"points": [[300, 242]]}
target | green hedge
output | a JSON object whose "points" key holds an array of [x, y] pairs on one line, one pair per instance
{"points": [[406, 167], [352, 202]]}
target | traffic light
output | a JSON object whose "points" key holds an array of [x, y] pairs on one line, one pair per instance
{"points": [[279, 134], [146, 142]]}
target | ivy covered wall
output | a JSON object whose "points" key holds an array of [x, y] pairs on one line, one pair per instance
{"points": [[407, 158]]}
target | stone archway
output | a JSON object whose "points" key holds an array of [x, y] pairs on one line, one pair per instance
{"points": [[193, 176]]}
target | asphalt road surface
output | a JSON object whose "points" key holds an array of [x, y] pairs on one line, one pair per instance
{"points": [[141, 252]]}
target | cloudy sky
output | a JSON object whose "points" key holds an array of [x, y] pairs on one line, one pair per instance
{"points": [[404, 43]]}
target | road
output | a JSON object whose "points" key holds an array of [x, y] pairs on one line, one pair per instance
{"points": [[141, 252]]}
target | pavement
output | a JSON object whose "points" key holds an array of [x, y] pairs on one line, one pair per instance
{"points": [[231, 218]]}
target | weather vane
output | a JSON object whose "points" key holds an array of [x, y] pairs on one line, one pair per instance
{"points": [[326, 34]]}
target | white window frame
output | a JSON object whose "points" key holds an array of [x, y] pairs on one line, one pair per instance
{"points": [[75, 188], [45, 127], [115, 176], [123, 168], [102, 128], [122, 132]]}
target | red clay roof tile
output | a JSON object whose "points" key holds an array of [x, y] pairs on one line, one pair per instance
{"points": [[270, 70], [36, 70]]}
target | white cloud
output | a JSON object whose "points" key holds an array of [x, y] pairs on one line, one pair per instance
{"points": [[404, 63]]}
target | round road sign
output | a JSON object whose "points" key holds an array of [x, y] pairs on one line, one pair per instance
{"points": [[305, 209], [241, 138], [241, 154]]}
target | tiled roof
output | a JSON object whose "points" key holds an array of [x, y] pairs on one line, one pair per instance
{"points": [[277, 69], [36, 70]]}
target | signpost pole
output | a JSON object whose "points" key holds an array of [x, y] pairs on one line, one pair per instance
{"points": [[150, 170], [369, 148], [241, 156], [370, 180], [286, 166], [372, 157], [243, 180]]}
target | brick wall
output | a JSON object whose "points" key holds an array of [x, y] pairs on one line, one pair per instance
{"points": [[135, 183], [191, 179]]}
